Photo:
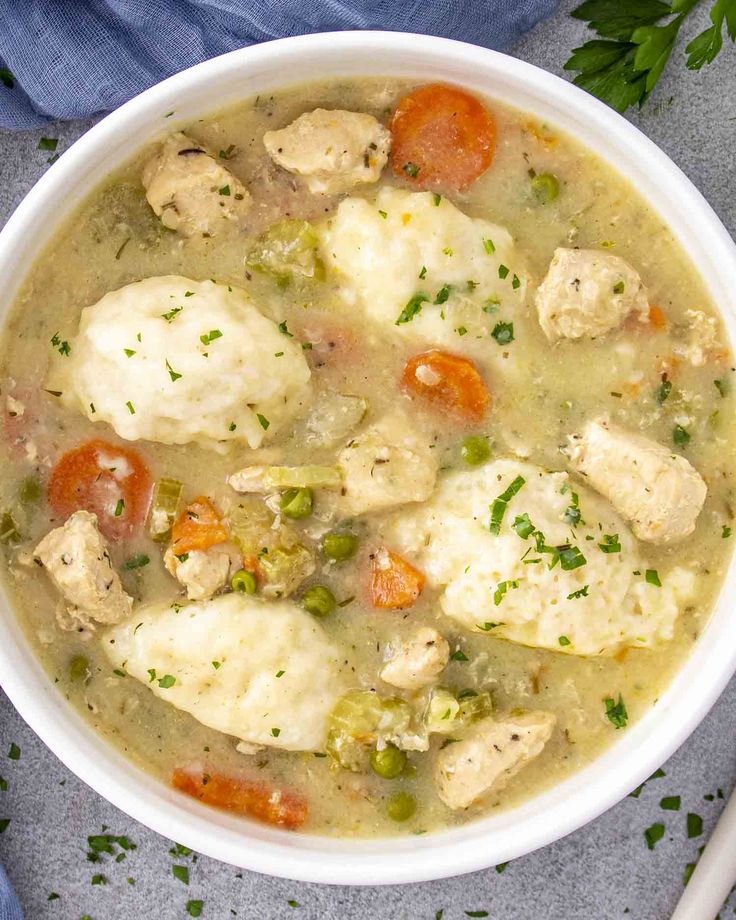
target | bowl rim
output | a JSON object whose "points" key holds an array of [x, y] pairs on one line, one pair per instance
{"points": [[588, 792]]}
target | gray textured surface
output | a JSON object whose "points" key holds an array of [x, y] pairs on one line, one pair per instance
{"points": [[603, 871]]}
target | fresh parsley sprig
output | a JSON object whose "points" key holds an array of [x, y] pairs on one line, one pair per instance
{"points": [[636, 41]]}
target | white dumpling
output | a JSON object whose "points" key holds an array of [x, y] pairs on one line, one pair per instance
{"points": [[490, 584], [384, 252], [264, 672], [179, 361]]}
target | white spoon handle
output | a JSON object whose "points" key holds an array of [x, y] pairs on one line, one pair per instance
{"points": [[715, 873]]}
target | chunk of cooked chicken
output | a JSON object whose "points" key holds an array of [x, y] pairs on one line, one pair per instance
{"points": [[700, 338], [203, 572], [389, 463], [659, 491], [418, 660], [489, 755], [587, 293], [76, 559], [190, 191], [333, 149]]}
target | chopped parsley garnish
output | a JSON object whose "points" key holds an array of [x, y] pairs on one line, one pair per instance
{"points": [[263, 421], [275, 732], [14, 752], [476, 913], [459, 655], [227, 154], [130, 406], [209, 337], [501, 867], [225, 190], [48, 143], [412, 309], [489, 247], [652, 578], [447, 251], [62, 347], [572, 513], [194, 908], [217, 665], [487, 627], [292, 903], [680, 435], [610, 543], [581, 592], [662, 392], [515, 283], [171, 314], [383, 214], [726, 532], [167, 681], [618, 287], [571, 558], [498, 508], [423, 272], [503, 333], [653, 835], [99, 879], [694, 825], [129, 352], [280, 673], [670, 803], [502, 272], [616, 712], [523, 526], [563, 640], [137, 561], [119, 508], [232, 426], [172, 373], [443, 294], [6, 78], [501, 590], [284, 329], [437, 198], [181, 873], [411, 169]]}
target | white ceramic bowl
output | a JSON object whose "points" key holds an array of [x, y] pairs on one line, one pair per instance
{"points": [[639, 750]]}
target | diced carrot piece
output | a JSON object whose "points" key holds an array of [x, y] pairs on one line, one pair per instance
{"points": [[442, 137], [257, 800], [395, 583], [657, 318], [199, 528], [109, 481], [449, 382]]}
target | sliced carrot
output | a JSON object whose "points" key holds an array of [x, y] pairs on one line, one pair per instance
{"points": [[246, 797], [442, 137], [198, 528], [110, 481], [395, 583], [448, 382]]}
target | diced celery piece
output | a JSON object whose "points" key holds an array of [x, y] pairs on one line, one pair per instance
{"points": [[473, 708], [164, 509], [445, 713], [284, 569], [270, 478], [335, 416], [9, 533], [287, 251], [359, 720], [250, 525]]}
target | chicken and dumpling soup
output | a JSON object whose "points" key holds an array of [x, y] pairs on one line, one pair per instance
{"points": [[368, 457]]}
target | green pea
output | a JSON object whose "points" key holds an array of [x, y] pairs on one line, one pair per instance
{"points": [[297, 503], [244, 582], [79, 668], [475, 450], [339, 546], [401, 806], [319, 601], [389, 762], [545, 188]]}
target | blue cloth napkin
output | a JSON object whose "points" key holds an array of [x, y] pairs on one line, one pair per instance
{"points": [[9, 906], [77, 58]]}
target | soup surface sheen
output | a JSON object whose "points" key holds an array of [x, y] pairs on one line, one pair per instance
{"points": [[446, 484]]}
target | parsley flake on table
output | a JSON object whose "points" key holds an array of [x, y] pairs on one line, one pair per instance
{"points": [[653, 835], [181, 873], [194, 908], [14, 752], [670, 803], [694, 825]]}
